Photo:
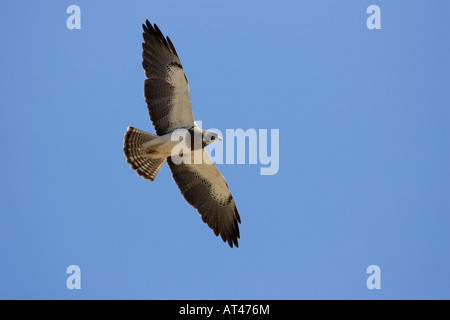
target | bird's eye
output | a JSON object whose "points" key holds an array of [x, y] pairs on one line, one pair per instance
{"points": [[213, 138]]}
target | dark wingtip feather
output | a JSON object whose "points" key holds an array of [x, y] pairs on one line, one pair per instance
{"points": [[238, 218], [232, 241], [160, 35], [232, 238], [154, 31], [148, 24], [172, 47]]}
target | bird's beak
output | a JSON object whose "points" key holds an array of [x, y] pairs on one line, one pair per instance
{"points": [[219, 138]]}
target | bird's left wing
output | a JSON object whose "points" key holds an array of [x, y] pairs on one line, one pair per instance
{"points": [[166, 89], [204, 188]]}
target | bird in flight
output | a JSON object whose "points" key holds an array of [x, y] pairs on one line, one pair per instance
{"points": [[166, 92]]}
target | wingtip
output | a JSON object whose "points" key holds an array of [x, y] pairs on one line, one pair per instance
{"points": [[148, 25], [144, 26], [233, 240]]}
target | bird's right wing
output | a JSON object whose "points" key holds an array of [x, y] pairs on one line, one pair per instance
{"points": [[166, 89]]}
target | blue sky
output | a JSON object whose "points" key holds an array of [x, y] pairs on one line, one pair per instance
{"points": [[364, 176]]}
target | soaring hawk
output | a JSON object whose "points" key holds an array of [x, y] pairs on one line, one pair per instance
{"points": [[166, 92]]}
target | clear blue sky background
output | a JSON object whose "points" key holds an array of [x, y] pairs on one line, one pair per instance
{"points": [[364, 151]]}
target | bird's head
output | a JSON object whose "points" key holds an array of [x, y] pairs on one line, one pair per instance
{"points": [[210, 137]]}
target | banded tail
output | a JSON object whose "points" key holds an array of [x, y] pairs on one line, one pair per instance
{"points": [[146, 165]]}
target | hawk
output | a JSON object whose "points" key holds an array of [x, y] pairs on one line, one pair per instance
{"points": [[166, 92]]}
